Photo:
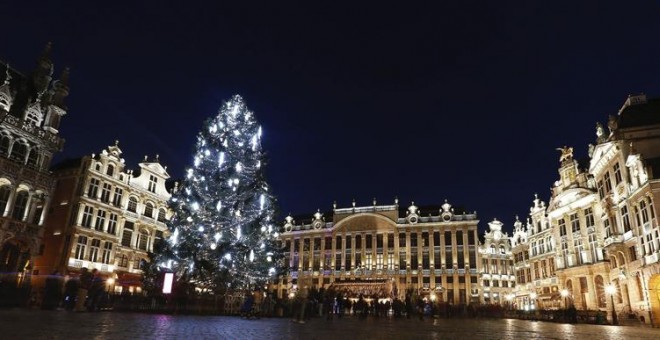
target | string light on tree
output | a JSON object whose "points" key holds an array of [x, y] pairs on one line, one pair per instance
{"points": [[224, 193]]}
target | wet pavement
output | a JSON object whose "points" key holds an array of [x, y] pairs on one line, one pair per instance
{"points": [[38, 324]]}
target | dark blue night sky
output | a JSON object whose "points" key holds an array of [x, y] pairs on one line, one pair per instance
{"points": [[463, 101]]}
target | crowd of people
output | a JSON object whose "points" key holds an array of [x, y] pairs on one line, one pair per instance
{"points": [[85, 292]]}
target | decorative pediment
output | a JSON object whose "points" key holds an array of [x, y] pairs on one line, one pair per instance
{"points": [[365, 222], [569, 196]]}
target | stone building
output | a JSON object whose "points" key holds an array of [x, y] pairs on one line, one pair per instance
{"points": [[105, 217], [497, 271], [31, 107], [379, 251], [625, 164], [596, 246]]}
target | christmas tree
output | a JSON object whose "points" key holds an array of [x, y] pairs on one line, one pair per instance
{"points": [[223, 235]]}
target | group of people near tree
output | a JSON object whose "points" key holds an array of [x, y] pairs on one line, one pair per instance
{"points": [[80, 293]]}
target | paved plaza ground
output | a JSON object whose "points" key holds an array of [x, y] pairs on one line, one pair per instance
{"points": [[37, 324]]}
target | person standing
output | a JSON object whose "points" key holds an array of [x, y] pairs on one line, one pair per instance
{"points": [[70, 292], [303, 294], [83, 288], [96, 289], [53, 291]]}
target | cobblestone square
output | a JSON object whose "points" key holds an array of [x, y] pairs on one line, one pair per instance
{"points": [[37, 324]]}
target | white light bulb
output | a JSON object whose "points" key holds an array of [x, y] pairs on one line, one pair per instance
{"points": [[189, 219], [238, 233], [236, 181], [222, 159], [269, 258], [262, 200], [218, 206], [200, 229], [217, 237], [251, 255], [197, 161], [190, 173], [259, 132], [276, 234], [270, 228], [263, 228], [228, 256], [195, 206], [213, 246], [239, 167], [254, 143]]}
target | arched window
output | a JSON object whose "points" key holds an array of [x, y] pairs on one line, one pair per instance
{"points": [[502, 250], [33, 158], [132, 204], [4, 144], [97, 167], [19, 151], [20, 204], [600, 291], [161, 215], [110, 171], [5, 191], [613, 261], [143, 240], [149, 210]]}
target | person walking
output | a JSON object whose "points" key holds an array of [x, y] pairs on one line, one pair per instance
{"points": [[83, 289]]}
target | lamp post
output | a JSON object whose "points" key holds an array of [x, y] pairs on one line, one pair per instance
{"points": [[533, 296], [611, 290], [564, 294]]}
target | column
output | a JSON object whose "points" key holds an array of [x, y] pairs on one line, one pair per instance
{"points": [[333, 265], [443, 258], [301, 254], [396, 250], [81, 210], [420, 258], [322, 255], [374, 249], [408, 249], [291, 247], [343, 251], [10, 201], [310, 261], [432, 251], [107, 221], [47, 202], [30, 208], [352, 251]]}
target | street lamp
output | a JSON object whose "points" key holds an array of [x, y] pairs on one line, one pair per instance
{"points": [[564, 294], [509, 298], [611, 290], [533, 296]]}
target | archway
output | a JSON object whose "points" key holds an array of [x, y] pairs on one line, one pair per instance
{"points": [[654, 296]]}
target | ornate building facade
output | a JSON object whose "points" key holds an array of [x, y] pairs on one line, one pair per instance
{"points": [[497, 271], [31, 108], [105, 217], [596, 246], [378, 251]]}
